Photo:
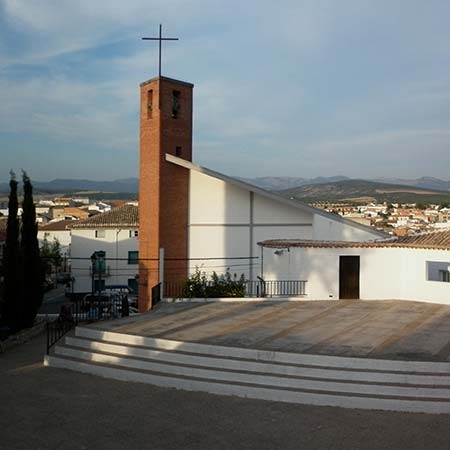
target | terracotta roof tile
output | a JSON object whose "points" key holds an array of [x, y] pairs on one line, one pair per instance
{"points": [[123, 216], [437, 240], [59, 225]]}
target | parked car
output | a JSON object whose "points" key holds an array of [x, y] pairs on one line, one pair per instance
{"points": [[107, 305]]}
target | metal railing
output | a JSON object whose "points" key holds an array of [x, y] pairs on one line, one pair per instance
{"points": [[285, 288], [259, 288], [91, 308]]}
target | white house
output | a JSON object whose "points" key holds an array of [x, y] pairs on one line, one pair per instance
{"points": [[114, 232], [405, 268], [59, 230]]}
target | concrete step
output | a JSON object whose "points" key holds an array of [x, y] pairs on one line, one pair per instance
{"points": [[288, 377], [240, 376], [323, 361], [175, 357], [250, 391]]}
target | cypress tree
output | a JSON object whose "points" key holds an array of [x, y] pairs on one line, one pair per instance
{"points": [[12, 306], [32, 268]]}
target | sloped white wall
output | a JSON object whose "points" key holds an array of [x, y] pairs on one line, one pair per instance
{"points": [[220, 224], [327, 229]]}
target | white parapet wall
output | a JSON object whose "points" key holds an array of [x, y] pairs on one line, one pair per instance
{"points": [[385, 273]]}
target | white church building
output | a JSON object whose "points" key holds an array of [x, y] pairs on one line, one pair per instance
{"points": [[228, 217], [202, 218]]}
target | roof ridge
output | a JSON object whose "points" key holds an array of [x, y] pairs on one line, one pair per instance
{"points": [[122, 216]]}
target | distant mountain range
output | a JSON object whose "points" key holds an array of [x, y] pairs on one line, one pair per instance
{"points": [[307, 189], [73, 185], [283, 183], [364, 191]]}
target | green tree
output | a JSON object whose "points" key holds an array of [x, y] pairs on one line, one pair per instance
{"points": [[422, 205], [32, 267], [51, 255], [12, 306]]}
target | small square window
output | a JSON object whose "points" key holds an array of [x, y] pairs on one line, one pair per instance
{"points": [[133, 257], [100, 233]]}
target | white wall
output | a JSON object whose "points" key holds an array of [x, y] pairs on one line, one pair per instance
{"points": [[224, 221], [63, 236], [116, 243], [330, 230], [385, 273]]}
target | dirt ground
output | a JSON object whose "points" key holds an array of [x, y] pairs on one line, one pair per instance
{"points": [[48, 408]]}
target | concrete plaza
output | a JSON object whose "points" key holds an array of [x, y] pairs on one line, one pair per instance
{"points": [[372, 329]]}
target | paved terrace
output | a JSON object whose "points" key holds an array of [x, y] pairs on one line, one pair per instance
{"points": [[372, 329]]}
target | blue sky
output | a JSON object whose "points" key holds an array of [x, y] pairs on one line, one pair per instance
{"points": [[295, 88]]}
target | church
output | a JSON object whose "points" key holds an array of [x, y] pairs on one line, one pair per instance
{"points": [[197, 217]]}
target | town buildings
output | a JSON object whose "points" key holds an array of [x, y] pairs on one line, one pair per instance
{"points": [[116, 234]]}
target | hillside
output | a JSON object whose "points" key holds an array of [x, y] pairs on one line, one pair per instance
{"points": [[363, 191], [124, 185], [423, 182], [281, 183]]}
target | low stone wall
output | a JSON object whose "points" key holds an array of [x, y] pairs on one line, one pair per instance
{"points": [[23, 336]]}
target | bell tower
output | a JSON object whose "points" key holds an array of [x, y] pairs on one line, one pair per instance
{"points": [[165, 127]]}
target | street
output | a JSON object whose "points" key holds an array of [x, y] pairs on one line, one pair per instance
{"points": [[53, 300]]}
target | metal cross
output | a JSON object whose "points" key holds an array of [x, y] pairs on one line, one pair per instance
{"points": [[160, 39]]}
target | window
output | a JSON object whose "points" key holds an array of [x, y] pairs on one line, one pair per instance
{"points": [[134, 233], [99, 264], [444, 275], [438, 271], [175, 103], [133, 257], [149, 104], [177, 151], [100, 233]]}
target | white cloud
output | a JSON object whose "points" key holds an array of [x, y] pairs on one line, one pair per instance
{"points": [[276, 80]]}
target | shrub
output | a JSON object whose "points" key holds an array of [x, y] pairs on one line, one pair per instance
{"points": [[225, 285]]}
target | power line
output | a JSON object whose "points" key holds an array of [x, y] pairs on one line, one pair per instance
{"points": [[125, 270], [218, 258]]}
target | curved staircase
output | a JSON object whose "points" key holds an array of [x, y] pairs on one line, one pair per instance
{"points": [[287, 377]]}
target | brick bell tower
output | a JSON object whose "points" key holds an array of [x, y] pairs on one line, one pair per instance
{"points": [[165, 127]]}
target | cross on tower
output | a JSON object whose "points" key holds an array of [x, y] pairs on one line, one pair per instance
{"points": [[160, 39]]}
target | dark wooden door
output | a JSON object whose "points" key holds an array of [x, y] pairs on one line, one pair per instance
{"points": [[349, 277]]}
